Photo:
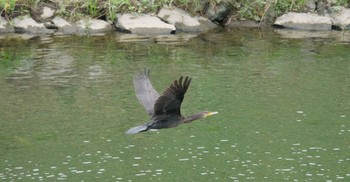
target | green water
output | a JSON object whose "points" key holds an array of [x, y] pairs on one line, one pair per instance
{"points": [[284, 109]]}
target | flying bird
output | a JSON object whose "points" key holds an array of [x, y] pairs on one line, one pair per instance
{"points": [[164, 109]]}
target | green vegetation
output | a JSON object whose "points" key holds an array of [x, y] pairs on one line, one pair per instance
{"points": [[7, 7], [107, 9]]}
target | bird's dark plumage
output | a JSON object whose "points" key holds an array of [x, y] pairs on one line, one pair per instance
{"points": [[164, 109], [170, 100]]}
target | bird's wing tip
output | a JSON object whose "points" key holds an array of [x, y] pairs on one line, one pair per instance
{"points": [[136, 129]]}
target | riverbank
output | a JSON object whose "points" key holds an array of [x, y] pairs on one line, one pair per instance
{"points": [[160, 17]]}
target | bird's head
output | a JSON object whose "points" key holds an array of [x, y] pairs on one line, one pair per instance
{"points": [[199, 115]]}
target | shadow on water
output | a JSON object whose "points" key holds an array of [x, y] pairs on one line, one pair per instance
{"points": [[284, 105]]}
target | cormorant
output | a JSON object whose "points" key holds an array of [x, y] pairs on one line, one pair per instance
{"points": [[163, 109]]}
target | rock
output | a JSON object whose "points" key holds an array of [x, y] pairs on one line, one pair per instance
{"points": [[303, 21], [184, 22], [341, 19], [218, 12], [60, 22], [50, 25], [26, 24], [84, 26], [47, 13], [311, 5], [143, 25], [93, 26], [5, 26], [63, 26], [44, 11]]}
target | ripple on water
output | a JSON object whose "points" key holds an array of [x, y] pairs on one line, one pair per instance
{"points": [[140, 174], [315, 148], [75, 171]]}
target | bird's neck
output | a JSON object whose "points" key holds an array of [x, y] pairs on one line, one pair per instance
{"points": [[191, 118]]}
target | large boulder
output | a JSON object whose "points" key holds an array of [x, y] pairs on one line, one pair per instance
{"points": [[93, 26], [341, 19], [63, 26], [218, 12], [143, 24], [83, 26], [47, 13], [44, 11], [184, 22], [26, 24], [5, 26], [304, 21]]}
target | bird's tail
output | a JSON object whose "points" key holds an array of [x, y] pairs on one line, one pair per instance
{"points": [[137, 129]]}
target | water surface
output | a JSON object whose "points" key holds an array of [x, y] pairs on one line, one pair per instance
{"points": [[284, 108]]}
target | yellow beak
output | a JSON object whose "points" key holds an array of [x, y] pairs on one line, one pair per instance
{"points": [[211, 113]]}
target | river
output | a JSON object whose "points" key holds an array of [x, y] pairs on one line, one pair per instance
{"points": [[283, 103]]}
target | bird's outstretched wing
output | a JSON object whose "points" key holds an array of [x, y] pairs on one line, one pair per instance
{"points": [[170, 100], [145, 92]]}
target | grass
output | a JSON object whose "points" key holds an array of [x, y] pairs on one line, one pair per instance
{"points": [[107, 9], [7, 6]]}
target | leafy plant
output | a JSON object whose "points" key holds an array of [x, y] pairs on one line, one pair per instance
{"points": [[7, 6], [345, 3], [91, 6], [283, 6]]}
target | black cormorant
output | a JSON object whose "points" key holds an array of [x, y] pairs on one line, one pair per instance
{"points": [[163, 109]]}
